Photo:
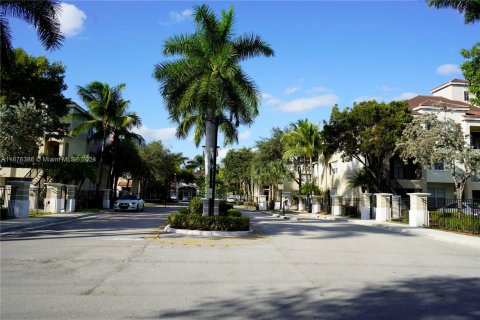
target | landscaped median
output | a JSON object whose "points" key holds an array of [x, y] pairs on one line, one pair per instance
{"points": [[190, 221]]}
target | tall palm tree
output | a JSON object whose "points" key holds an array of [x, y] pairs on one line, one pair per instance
{"points": [[107, 117], [305, 140], [206, 87], [42, 14]]}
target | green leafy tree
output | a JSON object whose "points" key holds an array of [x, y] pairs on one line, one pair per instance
{"points": [[21, 130], [35, 80], [471, 71], [236, 165], [128, 163], [469, 8], [430, 139], [107, 118], [368, 133], [268, 165], [42, 14], [206, 83], [74, 171], [304, 140]]}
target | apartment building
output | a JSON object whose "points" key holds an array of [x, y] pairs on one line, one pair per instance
{"points": [[332, 173]]}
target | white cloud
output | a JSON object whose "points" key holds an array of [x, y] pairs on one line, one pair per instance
{"points": [[178, 17], [163, 134], [318, 89], [405, 96], [244, 135], [367, 98], [291, 90], [305, 104], [270, 100], [389, 89], [71, 19], [448, 69]]}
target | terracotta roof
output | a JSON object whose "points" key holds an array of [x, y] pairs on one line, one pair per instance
{"points": [[432, 101]]}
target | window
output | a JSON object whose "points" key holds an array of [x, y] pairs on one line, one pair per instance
{"points": [[333, 168], [333, 192], [436, 199], [466, 96], [475, 140], [439, 166]]}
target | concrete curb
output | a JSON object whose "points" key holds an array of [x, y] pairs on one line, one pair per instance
{"points": [[225, 234]]}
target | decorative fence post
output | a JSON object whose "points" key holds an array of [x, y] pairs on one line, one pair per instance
{"points": [[316, 204], [337, 205], [34, 194], [418, 214], [384, 207], [301, 203], [71, 198], [365, 206], [205, 206], [53, 199], [19, 205], [106, 199], [216, 207]]}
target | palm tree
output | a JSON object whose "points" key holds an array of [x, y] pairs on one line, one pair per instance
{"points": [[107, 118], [206, 87], [42, 14], [305, 140]]}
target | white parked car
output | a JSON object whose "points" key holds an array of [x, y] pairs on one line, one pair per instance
{"points": [[231, 199], [130, 202]]}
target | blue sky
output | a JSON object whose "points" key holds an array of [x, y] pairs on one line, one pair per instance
{"points": [[326, 53]]}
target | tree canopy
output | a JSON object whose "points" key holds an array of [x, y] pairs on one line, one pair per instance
{"points": [[42, 14], [435, 138], [471, 71], [36, 80], [368, 133], [469, 8]]}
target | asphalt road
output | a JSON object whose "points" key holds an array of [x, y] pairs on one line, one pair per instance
{"points": [[118, 266]]}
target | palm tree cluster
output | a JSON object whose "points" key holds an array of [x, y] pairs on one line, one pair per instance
{"points": [[108, 120]]}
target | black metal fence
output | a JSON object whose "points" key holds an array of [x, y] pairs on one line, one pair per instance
{"points": [[351, 207], [462, 216], [86, 199]]}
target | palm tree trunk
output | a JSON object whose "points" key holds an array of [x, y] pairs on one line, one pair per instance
{"points": [[209, 149], [100, 176]]}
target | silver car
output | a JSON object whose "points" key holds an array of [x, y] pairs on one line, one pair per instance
{"points": [[130, 202]]}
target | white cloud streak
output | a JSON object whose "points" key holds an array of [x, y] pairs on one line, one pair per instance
{"points": [[306, 104], [178, 17], [71, 19], [291, 90], [405, 96], [162, 134], [448, 69], [244, 135], [319, 89]]}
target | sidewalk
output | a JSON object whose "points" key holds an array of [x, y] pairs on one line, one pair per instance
{"points": [[446, 236], [12, 225]]}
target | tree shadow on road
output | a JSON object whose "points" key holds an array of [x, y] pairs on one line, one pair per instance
{"points": [[417, 298]]}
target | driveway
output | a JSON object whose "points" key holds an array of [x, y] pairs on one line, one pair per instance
{"points": [[119, 266]]}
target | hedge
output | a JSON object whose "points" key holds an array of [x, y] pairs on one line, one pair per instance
{"points": [[450, 221], [208, 223]]}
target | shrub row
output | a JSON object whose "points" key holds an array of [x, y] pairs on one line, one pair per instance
{"points": [[208, 223], [450, 221]]}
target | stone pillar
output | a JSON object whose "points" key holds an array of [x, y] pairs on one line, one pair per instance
{"points": [[418, 214], [18, 206], [337, 205], [301, 203], [316, 204], [384, 207], [71, 200], [53, 199], [365, 206], [262, 202], [8, 195], [205, 206], [106, 198], [33, 196]]}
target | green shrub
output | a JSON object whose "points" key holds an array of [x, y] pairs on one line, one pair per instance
{"points": [[223, 207], [234, 213], [208, 223], [405, 217], [451, 221], [183, 210], [196, 205]]}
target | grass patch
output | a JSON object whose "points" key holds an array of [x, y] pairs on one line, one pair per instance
{"points": [[40, 213]]}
